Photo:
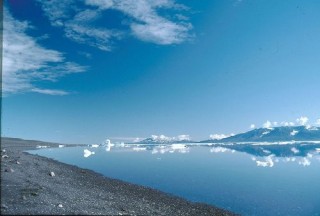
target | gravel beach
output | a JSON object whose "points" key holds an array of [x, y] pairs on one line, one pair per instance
{"points": [[32, 185]]}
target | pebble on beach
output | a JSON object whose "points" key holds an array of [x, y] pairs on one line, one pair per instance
{"points": [[9, 170], [60, 205], [4, 206], [5, 156], [52, 174]]}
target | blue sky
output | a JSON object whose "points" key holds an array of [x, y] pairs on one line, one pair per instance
{"points": [[82, 71]]}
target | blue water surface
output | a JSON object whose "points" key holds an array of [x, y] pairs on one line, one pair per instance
{"points": [[250, 180]]}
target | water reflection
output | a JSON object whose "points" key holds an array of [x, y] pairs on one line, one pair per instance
{"points": [[268, 155], [283, 177], [179, 148], [261, 155]]}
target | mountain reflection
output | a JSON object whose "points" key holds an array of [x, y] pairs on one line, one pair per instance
{"points": [[268, 155], [262, 155]]}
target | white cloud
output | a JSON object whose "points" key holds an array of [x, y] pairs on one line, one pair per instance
{"points": [[142, 18], [77, 23], [218, 136], [252, 126], [49, 91], [147, 24], [287, 123], [302, 120], [267, 124], [184, 137], [25, 61], [318, 121], [163, 138]]}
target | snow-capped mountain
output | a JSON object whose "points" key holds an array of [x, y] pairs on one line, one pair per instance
{"points": [[275, 134], [161, 139]]}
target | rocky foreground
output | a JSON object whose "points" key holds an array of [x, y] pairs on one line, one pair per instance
{"points": [[32, 184]]}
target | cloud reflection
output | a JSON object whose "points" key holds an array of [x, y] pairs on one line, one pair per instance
{"points": [[179, 148], [268, 161]]}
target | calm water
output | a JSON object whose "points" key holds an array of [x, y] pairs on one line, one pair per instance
{"points": [[247, 179]]}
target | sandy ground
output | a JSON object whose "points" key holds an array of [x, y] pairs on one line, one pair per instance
{"points": [[28, 188]]}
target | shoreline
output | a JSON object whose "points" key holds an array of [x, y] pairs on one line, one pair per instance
{"points": [[28, 188]]}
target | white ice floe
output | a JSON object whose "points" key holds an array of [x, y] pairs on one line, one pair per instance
{"points": [[61, 146], [87, 153], [94, 146], [40, 146], [107, 143]]}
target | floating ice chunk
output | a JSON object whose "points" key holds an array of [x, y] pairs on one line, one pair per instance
{"points": [[61, 146], [40, 146], [94, 146], [107, 143], [87, 153]]}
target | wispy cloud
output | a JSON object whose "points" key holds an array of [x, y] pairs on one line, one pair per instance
{"points": [[77, 23], [142, 19], [25, 61], [49, 91]]}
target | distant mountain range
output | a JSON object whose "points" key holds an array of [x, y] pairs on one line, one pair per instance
{"points": [[275, 134]]}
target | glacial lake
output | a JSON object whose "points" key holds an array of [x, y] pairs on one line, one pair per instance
{"points": [[246, 179]]}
